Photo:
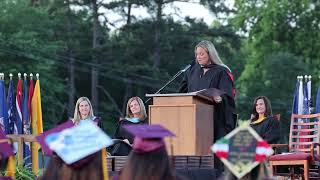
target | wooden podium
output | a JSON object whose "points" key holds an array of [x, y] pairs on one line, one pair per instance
{"points": [[189, 116]]}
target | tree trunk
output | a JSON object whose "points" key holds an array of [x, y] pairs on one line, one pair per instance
{"points": [[71, 58], [129, 12], [96, 45], [157, 50], [127, 95]]}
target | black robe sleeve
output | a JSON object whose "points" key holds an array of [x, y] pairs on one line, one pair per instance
{"points": [[227, 106]]}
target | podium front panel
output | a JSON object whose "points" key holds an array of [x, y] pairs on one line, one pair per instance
{"points": [[191, 122]]}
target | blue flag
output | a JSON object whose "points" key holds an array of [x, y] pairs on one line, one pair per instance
{"points": [[295, 99], [11, 107], [4, 124], [26, 122], [318, 101]]}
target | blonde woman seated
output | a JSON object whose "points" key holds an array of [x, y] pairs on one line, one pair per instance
{"points": [[135, 114], [83, 111]]}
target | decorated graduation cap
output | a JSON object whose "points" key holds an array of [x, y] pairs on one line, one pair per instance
{"points": [[148, 138], [41, 138], [6, 152], [242, 150], [75, 143]]}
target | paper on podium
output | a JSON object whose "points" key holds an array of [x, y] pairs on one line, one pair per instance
{"points": [[211, 92]]}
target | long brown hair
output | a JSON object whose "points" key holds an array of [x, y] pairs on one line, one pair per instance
{"points": [[57, 169], [267, 103], [148, 166]]}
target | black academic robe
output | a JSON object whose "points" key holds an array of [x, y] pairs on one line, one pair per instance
{"points": [[122, 148], [268, 129], [216, 77]]}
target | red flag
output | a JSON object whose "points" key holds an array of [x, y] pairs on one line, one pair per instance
{"points": [[31, 89], [18, 124]]}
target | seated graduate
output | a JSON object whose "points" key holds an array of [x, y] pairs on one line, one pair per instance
{"points": [[77, 152], [135, 114], [7, 162], [148, 158], [262, 120], [83, 111]]}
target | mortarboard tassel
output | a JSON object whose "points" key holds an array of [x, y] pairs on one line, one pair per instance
{"points": [[104, 164], [11, 167]]}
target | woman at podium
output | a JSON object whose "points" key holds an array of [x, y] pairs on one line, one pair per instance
{"points": [[210, 72], [135, 114]]}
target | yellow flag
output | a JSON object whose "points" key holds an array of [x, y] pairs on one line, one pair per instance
{"points": [[11, 167], [36, 123]]}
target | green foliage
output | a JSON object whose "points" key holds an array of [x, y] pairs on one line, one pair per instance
{"points": [[21, 172], [280, 44], [25, 46]]}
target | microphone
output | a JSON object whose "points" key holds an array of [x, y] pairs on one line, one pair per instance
{"points": [[172, 79], [186, 68]]}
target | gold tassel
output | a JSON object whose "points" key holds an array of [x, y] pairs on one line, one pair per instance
{"points": [[11, 167], [104, 164]]}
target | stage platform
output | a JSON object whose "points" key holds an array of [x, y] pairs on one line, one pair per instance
{"points": [[187, 167]]}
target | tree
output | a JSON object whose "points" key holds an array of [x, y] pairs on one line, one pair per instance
{"points": [[26, 46]]}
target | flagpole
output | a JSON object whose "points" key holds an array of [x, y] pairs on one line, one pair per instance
{"points": [[1, 76], [31, 76], [37, 76], [10, 75], [19, 75]]}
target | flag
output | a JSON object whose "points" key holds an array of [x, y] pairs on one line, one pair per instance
{"points": [[318, 101], [300, 97], [26, 122], [18, 123], [295, 99], [4, 123], [36, 125], [309, 94], [305, 105], [31, 89], [11, 108], [36, 110]]}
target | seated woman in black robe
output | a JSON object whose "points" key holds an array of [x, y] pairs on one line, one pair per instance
{"points": [[262, 120], [266, 126], [135, 114]]}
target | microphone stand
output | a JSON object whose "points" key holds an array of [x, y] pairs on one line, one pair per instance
{"points": [[172, 79]]}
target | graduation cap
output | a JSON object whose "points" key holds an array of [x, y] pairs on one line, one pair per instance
{"points": [[6, 152], [41, 138], [242, 150], [5, 148], [75, 145], [148, 138]]}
